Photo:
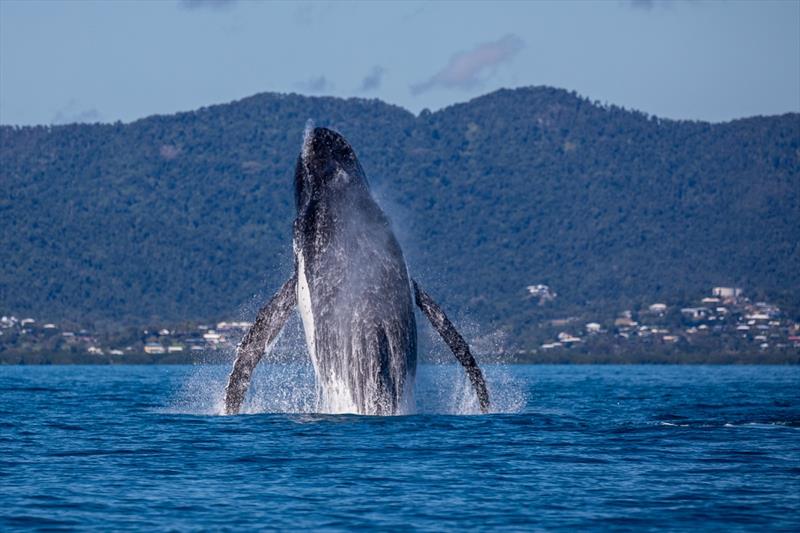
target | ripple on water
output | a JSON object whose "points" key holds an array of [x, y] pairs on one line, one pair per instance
{"points": [[132, 448]]}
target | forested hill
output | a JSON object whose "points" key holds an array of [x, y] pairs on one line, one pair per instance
{"points": [[188, 216]]}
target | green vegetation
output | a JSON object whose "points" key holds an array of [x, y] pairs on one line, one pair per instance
{"points": [[188, 216]]}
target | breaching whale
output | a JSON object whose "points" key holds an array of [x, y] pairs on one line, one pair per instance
{"points": [[353, 291]]}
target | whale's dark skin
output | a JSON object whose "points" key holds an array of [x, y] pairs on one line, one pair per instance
{"points": [[353, 290]]}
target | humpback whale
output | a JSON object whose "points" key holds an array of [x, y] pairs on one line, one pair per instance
{"points": [[353, 291]]}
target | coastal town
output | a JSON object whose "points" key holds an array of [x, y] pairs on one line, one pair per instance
{"points": [[725, 311], [725, 320], [187, 343]]}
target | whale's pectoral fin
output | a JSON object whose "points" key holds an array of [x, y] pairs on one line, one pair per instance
{"points": [[269, 322], [455, 341]]}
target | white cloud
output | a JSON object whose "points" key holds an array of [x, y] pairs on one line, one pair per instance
{"points": [[372, 80], [315, 84], [468, 69], [71, 113]]}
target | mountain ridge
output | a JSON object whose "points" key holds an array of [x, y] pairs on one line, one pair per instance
{"points": [[597, 103], [169, 216]]}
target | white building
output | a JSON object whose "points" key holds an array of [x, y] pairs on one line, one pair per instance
{"points": [[153, 348], [695, 313], [551, 345], [543, 292], [625, 322], [726, 292], [226, 326], [213, 338], [566, 338]]}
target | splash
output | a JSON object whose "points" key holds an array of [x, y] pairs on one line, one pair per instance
{"points": [[305, 151], [445, 389], [285, 382], [360, 333], [291, 388]]}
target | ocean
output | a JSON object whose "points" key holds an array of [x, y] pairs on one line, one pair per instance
{"points": [[115, 448]]}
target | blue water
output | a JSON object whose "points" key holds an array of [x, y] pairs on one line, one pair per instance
{"points": [[588, 447]]}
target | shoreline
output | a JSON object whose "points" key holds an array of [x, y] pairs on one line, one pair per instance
{"points": [[774, 359]]}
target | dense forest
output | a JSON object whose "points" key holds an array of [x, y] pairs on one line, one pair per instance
{"points": [[188, 216]]}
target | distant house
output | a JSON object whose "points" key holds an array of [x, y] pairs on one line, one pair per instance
{"points": [[695, 313], [542, 292], [212, 337], [593, 327], [227, 326], [115, 352], [153, 348], [94, 350], [175, 348], [625, 322], [658, 308], [773, 311], [726, 292], [566, 338]]}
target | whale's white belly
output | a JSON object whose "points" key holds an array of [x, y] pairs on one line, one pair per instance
{"points": [[333, 393], [304, 305]]}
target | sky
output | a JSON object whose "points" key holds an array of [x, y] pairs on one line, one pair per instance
{"points": [[101, 61]]}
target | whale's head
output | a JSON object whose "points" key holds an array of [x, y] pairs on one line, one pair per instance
{"points": [[327, 165]]}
